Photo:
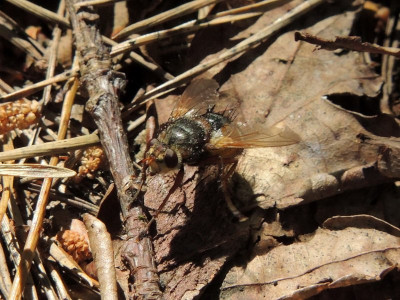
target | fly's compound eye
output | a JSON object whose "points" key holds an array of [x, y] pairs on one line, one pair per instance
{"points": [[170, 159]]}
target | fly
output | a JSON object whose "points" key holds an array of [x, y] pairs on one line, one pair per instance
{"points": [[202, 126]]}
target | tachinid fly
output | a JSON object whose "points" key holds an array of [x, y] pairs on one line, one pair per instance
{"points": [[202, 126]]}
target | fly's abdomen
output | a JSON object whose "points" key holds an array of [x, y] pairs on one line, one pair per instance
{"points": [[215, 120]]}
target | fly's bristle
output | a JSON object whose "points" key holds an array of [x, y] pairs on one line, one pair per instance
{"points": [[93, 158], [19, 114]]}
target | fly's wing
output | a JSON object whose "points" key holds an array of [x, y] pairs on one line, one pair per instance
{"points": [[235, 136], [228, 106], [198, 97]]}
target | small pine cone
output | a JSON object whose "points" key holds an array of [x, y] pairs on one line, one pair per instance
{"points": [[93, 158], [75, 245], [18, 114]]}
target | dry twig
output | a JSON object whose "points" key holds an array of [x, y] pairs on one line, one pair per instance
{"points": [[102, 86], [353, 43]]}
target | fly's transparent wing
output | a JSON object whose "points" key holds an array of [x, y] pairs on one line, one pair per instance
{"points": [[235, 136], [198, 97]]}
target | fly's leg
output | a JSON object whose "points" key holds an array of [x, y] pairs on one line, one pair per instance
{"points": [[226, 175], [151, 125]]}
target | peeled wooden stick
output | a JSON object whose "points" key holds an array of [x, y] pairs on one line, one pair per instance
{"points": [[101, 246]]}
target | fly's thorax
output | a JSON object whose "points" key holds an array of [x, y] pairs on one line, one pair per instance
{"points": [[188, 136]]}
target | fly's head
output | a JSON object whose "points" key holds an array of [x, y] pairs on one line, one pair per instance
{"points": [[160, 158]]}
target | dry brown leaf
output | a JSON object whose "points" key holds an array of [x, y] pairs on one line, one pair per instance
{"points": [[285, 83], [288, 84], [330, 259]]}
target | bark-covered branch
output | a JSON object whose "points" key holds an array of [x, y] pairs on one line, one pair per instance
{"points": [[103, 85]]}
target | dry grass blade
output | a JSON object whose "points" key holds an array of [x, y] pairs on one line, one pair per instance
{"points": [[51, 148], [65, 260], [8, 187], [5, 88], [35, 170], [55, 276], [40, 11], [8, 182], [243, 46], [52, 58], [95, 2], [10, 30], [43, 278], [6, 195], [5, 284], [29, 90], [187, 28], [259, 6], [171, 14], [33, 235]]}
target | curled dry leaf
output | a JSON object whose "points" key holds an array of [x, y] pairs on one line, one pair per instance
{"points": [[360, 221], [330, 259]]}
